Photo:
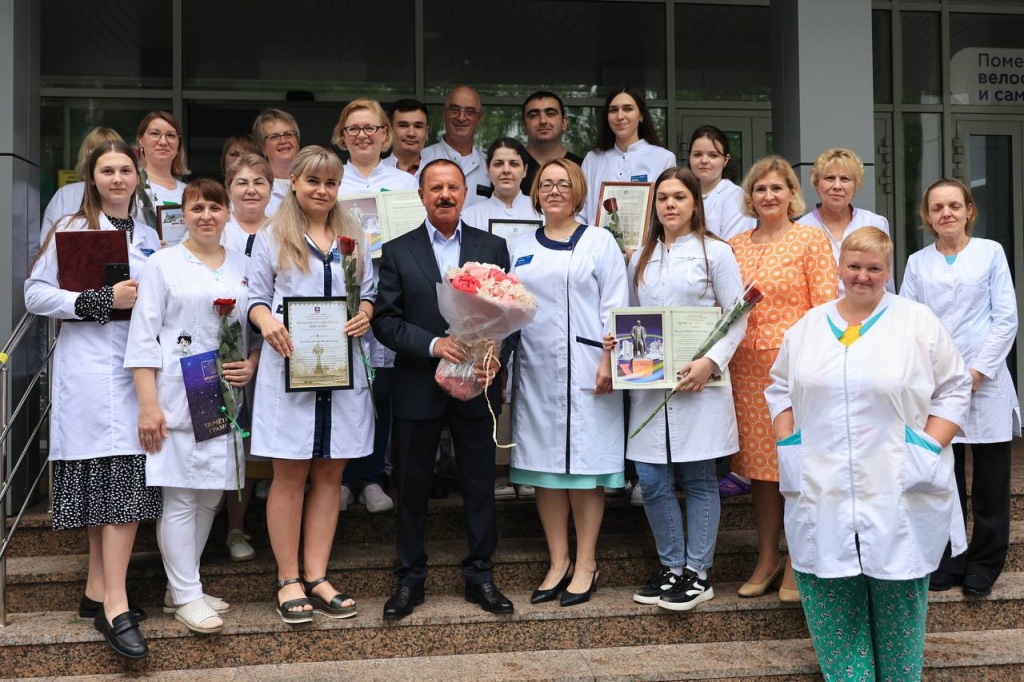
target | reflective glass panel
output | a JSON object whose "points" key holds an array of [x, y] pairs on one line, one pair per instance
{"points": [[922, 77], [723, 52], [922, 165]]}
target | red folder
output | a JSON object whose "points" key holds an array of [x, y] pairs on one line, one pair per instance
{"points": [[82, 258]]}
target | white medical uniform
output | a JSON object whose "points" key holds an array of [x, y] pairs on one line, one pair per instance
{"points": [[974, 297], [481, 214], [723, 211], [861, 218], [278, 191], [859, 466], [284, 423], [474, 165], [66, 201], [641, 162], [558, 424]]}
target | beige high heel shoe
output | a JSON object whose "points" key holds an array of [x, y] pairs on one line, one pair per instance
{"points": [[788, 595], [749, 589]]}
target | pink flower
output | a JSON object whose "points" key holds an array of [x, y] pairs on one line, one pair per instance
{"points": [[466, 282], [497, 275]]}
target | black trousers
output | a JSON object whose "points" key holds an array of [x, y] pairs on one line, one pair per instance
{"points": [[415, 444], [990, 500]]}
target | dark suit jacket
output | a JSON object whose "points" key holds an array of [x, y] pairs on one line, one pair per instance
{"points": [[406, 319]]}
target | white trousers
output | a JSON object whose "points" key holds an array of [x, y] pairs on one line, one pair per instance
{"points": [[181, 534]]}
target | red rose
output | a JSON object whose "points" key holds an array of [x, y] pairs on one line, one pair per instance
{"points": [[611, 204], [346, 246], [753, 296], [224, 306], [467, 283]]}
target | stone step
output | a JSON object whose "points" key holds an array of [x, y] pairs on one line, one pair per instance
{"points": [[988, 655], [58, 643]]}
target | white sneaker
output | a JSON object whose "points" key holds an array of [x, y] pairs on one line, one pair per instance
{"points": [[526, 492], [375, 499], [636, 498], [503, 490], [238, 545], [347, 498], [686, 593], [261, 490]]}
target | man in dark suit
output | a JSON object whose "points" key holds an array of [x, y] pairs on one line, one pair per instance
{"points": [[407, 320]]}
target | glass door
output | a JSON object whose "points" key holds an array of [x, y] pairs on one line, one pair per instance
{"points": [[749, 135]]}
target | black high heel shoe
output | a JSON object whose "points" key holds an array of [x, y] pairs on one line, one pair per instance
{"points": [[574, 598], [541, 596]]}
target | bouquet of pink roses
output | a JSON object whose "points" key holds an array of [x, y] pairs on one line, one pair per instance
{"points": [[481, 304]]}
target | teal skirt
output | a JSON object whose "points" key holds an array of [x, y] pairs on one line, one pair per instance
{"points": [[544, 479]]}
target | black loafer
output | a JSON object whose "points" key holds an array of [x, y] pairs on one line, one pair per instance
{"points": [[123, 635], [403, 601], [88, 608], [489, 597], [976, 586]]}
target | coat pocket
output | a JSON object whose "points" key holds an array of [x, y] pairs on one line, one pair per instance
{"points": [[790, 463], [923, 470]]}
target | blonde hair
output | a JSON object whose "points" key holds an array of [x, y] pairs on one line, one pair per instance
{"points": [[290, 222], [845, 159], [968, 202], [576, 177], [374, 107], [93, 139], [867, 240], [772, 164], [254, 161]]}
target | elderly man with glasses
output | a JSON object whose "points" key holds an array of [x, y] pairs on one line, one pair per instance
{"points": [[462, 115]]}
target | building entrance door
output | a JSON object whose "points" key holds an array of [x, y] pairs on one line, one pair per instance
{"points": [[748, 132]]}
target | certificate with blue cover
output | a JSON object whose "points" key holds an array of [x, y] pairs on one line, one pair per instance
{"points": [[202, 389]]}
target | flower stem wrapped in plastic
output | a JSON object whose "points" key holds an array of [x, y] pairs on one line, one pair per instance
{"points": [[482, 306]]}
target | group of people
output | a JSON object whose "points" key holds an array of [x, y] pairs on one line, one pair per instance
{"points": [[845, 440]]}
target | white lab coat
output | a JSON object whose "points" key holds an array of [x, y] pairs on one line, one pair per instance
{"points": [[66, 201], [700, 425], [283, 423], [278, 191], [642, 162], [176, 294], [558, 424], [861, 218], [233, 237], [473, 165], [481, 214], [859, 465], [975, 300], [723, 211], [95, 412]]}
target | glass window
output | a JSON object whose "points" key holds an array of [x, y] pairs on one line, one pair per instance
{"points": [[514, 47], [723, 53], [922, 165], [985, 30], [922, 75], [326, 47], [112, 44], [881, 44]]}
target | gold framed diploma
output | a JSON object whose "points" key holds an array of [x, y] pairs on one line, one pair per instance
{"points": [[626, 206], [510, 229], [321, 358], [653, 344], [384, 215], [170, 223]]}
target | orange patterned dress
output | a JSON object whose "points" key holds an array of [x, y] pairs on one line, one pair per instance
{"points": [[795, 274]]}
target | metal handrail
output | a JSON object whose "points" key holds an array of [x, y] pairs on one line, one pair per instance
{"points": [[9, 417]]}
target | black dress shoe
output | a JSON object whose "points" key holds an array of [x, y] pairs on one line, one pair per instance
{"points": [[574, 598], [540, 596], [403, 601], [489, 597], [940, 581], [976, 586], [123, 635], [88, 608]]}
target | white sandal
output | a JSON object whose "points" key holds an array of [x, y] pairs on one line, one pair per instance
{"points": [[199, 617], [215, 603]]}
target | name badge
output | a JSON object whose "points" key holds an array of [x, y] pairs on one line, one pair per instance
{"points": [[524, 260], [146, 252], [638, 178]]}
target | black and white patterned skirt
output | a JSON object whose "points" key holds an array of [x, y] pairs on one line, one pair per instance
{"points": [[103, 491]]}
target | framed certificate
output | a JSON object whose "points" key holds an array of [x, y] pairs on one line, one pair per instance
{"points": [[322, 355], [510, 229], [632, 202], [384, 215], [170, 223], [653, 344]]}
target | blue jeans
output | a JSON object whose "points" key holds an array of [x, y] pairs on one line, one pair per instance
{"points": [[703, 510], [370, 469]]}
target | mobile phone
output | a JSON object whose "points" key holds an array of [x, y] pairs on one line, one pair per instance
{"points": [[116, 272]]}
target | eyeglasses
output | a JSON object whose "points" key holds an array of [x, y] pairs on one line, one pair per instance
{"points": [[276, 137], [155, 136], [548, 186], [355, 130], [468, 112]]}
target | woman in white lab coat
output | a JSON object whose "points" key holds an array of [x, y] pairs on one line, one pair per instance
{"points": [[683, 264], [99, 469], [566, 422], [723, 199], [627, 150], [506, 167], [310, 434], [162, 159], [866, 395], [966, 282], [177, 292], [364, 131]]}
